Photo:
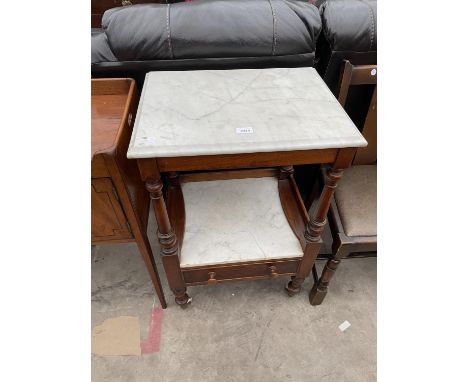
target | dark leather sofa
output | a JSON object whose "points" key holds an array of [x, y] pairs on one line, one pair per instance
{"points": [[205, 34], [349, 32], [226, 34]]}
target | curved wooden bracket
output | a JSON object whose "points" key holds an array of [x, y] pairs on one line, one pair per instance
{"points": [[291, 201], [176, 207]]}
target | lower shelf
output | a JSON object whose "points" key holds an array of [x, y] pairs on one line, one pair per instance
{"points": [[236, 221]]}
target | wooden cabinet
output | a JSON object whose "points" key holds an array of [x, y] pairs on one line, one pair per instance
{"points": [[119, 201], [108, 220]]}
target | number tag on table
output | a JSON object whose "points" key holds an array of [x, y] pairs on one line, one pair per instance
{"points": [[244, 130]]}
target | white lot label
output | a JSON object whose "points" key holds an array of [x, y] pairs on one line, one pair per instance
{"points": [[244, 130], [345, 325]]}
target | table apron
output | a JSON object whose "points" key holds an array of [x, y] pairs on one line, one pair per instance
{"points": [[248, 160]]}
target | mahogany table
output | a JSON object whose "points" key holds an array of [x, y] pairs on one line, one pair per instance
{"points": [[119, 202], [226, 142]]}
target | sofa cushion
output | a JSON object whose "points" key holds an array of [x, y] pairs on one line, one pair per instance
{"points": [[100, 50], [207, 29], [356, 199], [350, 24], [349, 32]]}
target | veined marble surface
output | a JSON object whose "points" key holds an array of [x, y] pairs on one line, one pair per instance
{"points": [[187, 113], [235, 220]]}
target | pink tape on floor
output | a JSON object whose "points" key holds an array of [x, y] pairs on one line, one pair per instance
{"points": [[151, 345]]}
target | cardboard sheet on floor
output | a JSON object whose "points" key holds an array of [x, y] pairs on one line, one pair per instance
{"points": [[117, 336]]}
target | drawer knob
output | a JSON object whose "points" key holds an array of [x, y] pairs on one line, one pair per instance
{"points": [[273, 272], [212, 280]]}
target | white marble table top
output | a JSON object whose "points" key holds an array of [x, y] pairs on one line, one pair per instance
{"points": [[235, 220], [209, 112]]}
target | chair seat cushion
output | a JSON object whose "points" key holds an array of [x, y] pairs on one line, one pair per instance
{"points": [[356, 198]]}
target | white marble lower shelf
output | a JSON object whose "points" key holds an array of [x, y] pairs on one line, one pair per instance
{"points": [[229, 221]]}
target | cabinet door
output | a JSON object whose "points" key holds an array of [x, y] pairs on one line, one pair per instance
{"points": [[108, 221]]}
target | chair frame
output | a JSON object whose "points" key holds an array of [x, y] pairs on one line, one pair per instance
{"points": [[343, 245]]}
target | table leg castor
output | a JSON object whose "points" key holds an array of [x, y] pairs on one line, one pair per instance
{"points": [[291, 290], [183, 301]]}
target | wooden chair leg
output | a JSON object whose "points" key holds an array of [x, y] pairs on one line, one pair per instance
{"points": [[320, 288]]}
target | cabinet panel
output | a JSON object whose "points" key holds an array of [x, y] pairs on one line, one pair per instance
{"points": [[108, 221], [98, 167]]}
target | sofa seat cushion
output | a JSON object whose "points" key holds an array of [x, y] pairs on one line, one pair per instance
{"points": [[207, 29], [356, 199]]}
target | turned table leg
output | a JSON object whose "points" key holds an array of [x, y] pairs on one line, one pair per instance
{"points": [[315, 226], [166, 236]]}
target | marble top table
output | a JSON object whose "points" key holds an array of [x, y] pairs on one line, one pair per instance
{"points": [[228, 140], [189, 113]]}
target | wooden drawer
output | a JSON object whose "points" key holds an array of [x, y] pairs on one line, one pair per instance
{"points": [[214, 274], [108, 221]]}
